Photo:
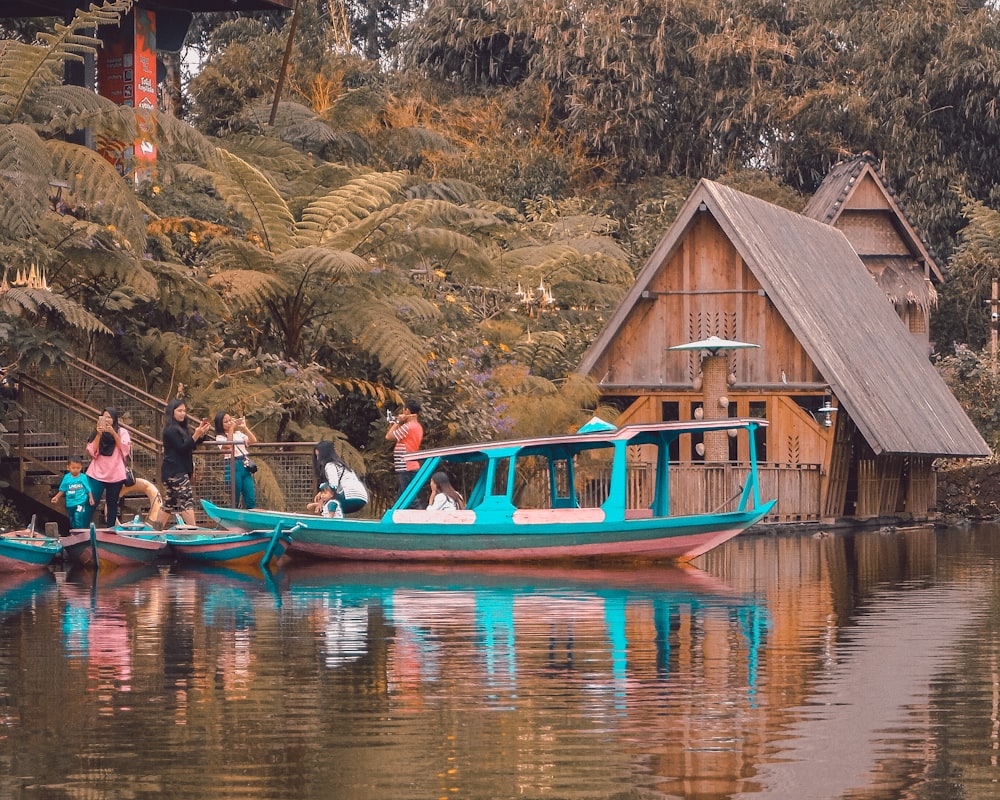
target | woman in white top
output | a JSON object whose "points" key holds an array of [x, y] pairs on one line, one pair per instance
{"points": [[331, 469], [234, 435], [444, 497]]}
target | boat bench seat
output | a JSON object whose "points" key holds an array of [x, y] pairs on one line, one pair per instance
{"points": [[544, 516], [422, 516], [638, 513]]}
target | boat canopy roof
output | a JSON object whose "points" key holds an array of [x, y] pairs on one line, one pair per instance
{"points": [[635, 434]]}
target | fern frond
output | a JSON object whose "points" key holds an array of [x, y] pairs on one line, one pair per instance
{"points": [[349, 204], [387, 338], [588, 294], [227, 253], [270, 155], [201, 177], [581, 225], [454, 190], [25, 170], [378, 230], [540, 350], [256, 116], [67, 109], [247, 190], [535, 385], [23, 68], [175, 139], [96, 184], [181, 289], [413, 306], [599, 244], [244, 288], [87, 262], [310, 263], [459, 255], [19, 300], [406, 142]]}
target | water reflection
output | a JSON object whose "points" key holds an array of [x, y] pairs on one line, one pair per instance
{"points": [[835, 666]]}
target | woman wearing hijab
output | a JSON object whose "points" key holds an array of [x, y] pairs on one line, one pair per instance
{"points": [[109, 445]]}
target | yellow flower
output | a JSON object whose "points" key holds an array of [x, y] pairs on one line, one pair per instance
{"points": [[450, 298]]}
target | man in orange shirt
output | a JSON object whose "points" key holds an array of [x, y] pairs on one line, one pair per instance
{"points": [[408, 433]]}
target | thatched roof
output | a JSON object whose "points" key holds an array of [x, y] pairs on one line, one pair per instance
{"points": [[836, 195]]}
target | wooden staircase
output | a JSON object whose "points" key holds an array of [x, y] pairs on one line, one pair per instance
{"points": [[59, 409], [58, 413]]}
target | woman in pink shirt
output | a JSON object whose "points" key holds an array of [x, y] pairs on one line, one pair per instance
{"points": [[109, 445]]}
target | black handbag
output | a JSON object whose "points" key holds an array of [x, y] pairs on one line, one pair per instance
{"points": [[129, 475], [249, 464]]}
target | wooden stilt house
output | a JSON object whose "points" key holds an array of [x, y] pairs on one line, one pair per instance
{"points": [[742, 269]]}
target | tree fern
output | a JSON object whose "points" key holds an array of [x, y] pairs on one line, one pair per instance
{"points": [[24, 68], [460, 256]]}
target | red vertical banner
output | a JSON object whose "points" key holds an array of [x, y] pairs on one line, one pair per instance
{"points": [[126, 74]]}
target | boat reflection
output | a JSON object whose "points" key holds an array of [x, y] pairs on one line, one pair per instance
{"points": [[622, 617], [21, 589]]}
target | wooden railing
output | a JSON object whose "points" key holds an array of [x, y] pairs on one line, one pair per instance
{"points": [[709, 487]]}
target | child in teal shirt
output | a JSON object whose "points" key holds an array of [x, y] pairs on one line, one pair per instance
{"points": [[75, 487]]}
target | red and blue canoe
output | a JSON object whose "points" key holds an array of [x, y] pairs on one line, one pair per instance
{"points": [[105, 548]]}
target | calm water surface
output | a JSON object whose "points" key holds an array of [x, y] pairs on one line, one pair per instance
{"points": [[831, 666]]}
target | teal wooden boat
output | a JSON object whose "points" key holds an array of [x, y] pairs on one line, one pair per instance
{"points": [[262, 548], [597, 494], [23, 551]]}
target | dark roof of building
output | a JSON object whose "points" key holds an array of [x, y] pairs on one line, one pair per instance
{"points": [[877, 370], [834, 194], [57, 8]]}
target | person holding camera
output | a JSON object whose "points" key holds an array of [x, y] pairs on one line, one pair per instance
{"points": [[178, 460], [109, 445], [405, 429], [234, 435]]}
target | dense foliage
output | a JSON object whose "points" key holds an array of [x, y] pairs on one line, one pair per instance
{"points": [[448, 201]]}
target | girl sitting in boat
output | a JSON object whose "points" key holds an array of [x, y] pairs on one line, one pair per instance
{"points": [[444, 496], [326, 503], [331, 469]]}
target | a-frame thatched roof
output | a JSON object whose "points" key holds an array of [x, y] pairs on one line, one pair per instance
{"points": [[845, 190], [842, 319]]}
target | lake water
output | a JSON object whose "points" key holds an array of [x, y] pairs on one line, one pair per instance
{"points": [[855, 666]]}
